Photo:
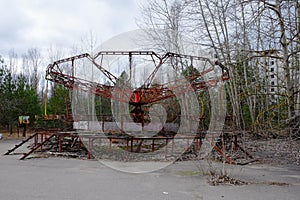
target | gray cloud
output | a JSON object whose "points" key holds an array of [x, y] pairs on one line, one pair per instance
{"points": [[42, 23]]}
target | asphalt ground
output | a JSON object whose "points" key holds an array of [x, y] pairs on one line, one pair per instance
{"points": [[77, 179]]}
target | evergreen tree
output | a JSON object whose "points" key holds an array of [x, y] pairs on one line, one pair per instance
{"points": [[57, 102], [16, 98]]}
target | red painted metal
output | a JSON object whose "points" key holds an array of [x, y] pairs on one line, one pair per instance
{"points": [[143, 95], [36, 147], [20, 144], [129, 141], [146, 94]]}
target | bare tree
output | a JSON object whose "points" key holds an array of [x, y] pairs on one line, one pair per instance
{"points": [[285, 38], [13, 61], [214, 21], [88, 42], [31, 63], [167, 16], [246, 36]]}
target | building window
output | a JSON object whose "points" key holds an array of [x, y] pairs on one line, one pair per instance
{"points": [[272, 69], [272, 76], [272, 83], [272, 90]]}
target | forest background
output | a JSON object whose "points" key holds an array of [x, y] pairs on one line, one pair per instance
{"points": [[259, 41]]}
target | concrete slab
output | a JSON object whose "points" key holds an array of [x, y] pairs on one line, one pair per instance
{"points": [[64, 179]]}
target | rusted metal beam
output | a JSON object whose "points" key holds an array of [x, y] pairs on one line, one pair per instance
{"points": [[147, 93], [36, 147], [20, 144]]}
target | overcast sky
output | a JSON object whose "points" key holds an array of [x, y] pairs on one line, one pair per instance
{"points": [[62, 23]]}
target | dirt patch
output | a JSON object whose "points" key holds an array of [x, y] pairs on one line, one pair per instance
{"points": [[225, 180], [6, 135], [15, 134], [275, 151]]}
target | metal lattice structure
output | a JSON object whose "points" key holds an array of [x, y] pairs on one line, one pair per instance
{"points": [[147, 93], [160, 143]]}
